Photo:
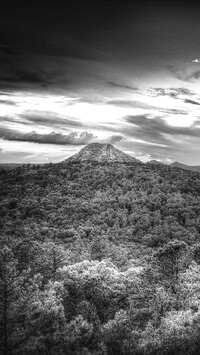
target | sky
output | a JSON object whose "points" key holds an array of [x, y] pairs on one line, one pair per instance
{"points": [[77, 72]]}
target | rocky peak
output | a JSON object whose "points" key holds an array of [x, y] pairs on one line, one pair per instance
{"points": [[101, 153]]}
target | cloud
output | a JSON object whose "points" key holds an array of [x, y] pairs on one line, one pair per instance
{"points": [[190, 76], [184, 91], [158, 131], [7, 102], [5, 93], [191, 102], [162, 92], [172, 92], [6, 48], [144, 105], [54, 138], [130, 104], [50, 119], [26, 76], [114, 139], [36, 75], [185, 72], [51, 64], [174, 111], [72, 138], [5, 132], [121, 86]]}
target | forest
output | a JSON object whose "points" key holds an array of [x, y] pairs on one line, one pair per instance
{"points": [[99, 258]]}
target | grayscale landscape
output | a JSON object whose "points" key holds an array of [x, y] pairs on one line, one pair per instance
{"points": [[100, 177]]}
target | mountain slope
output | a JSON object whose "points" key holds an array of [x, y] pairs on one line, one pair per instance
{"points": [[100, 246], [101, 153]]}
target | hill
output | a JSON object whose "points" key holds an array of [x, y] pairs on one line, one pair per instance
{"points": [[95, 257]]}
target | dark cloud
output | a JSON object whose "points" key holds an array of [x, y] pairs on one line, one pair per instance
{"points": [[5, 93], [54, 138], [194, 75], [38, 119], [4, 120], [185, 72], [31, 76], [7, 102], [174, 111], [191, 102], [34, 76], [184, 91], [50, 119], [122, 86], [72, 138], [47, 73], [130, 104], [143, 105], [157, 130], [6, 48], [5, 132], [23, 69]]}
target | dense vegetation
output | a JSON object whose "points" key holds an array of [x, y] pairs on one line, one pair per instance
{"points": [[99, 259]]}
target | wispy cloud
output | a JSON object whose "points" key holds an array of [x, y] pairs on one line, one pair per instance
{"points": [[50, 119], [173, 92], [188, 76], [186, 71], [122, 86], [187, 101], [114, 139], [7, 102], [174, 111], [130, 103], [157, 130]]}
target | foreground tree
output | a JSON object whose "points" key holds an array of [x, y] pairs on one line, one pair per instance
{"points": [[171, 260], [25, 309]]}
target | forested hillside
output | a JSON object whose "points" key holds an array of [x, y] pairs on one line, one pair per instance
{"points": [[99, 258]]}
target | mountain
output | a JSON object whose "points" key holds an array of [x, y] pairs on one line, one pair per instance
{"points": [[101, 153], [176, 164], [154, 162]]}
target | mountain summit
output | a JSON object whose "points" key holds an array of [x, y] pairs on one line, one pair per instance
{"points": [[99, 152]]}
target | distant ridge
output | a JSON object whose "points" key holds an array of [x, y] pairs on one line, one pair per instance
{"points": [[154, 162], [176, 164], [6, 166], [99, 152]]}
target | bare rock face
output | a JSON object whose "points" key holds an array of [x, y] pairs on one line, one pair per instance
{"points": [[101, 153]]}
